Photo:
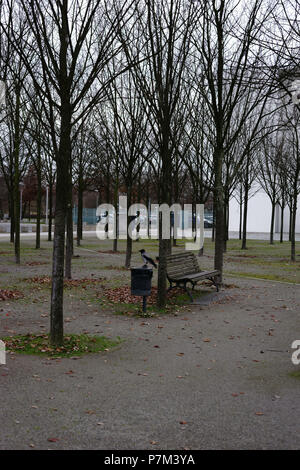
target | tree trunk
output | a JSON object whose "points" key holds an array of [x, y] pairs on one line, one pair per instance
{"points": [[79, 210], [108, 202], [69, 240], [149, 217], [56, 326], [241, 213], [17, 176], [290, 222], [164, 244], [226, 223], [162, 265], [116, 206], [219, 212], [138, 212], [62, 196], [169, 246], [129, 239], [194, 220], [244, 240], [293, 228], [282, 220], [176, 193], [50, 210], [201, 251], [115, 245], [162, 269], [12, 216], [272, 223], [17, 220], [38, 211]]}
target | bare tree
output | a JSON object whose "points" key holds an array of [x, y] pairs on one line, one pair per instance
{"points": [[269, 161], [37, 142], [196, 150], [162, 38], [285, 40], [82, 167], [228, 72], [73, 43], [248, 180], [14, 153], [292, 161], [125, 128]]}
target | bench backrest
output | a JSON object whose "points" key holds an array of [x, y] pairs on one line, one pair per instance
{"points": [[181, 263]]}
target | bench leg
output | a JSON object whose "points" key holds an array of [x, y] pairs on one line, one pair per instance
{"points": [[188, 292], [170, 287], [182, 286], [214, 283]]}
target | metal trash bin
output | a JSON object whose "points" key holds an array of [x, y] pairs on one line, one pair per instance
{"points": [[141, 283]]}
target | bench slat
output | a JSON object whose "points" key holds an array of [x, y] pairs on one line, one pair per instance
{"points": [[184, 265], [200, 275], [180, 264], [183, 268]]}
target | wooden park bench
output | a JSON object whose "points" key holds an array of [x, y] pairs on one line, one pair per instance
{"points": [[183, 268]]}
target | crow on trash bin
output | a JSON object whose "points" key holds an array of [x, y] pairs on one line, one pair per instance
{"points": [[147, 259]]}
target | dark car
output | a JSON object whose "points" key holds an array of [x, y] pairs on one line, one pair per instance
{"points": [[208, 222]]}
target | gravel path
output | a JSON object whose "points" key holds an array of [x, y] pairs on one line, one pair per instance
{"points": [[215, 377]]}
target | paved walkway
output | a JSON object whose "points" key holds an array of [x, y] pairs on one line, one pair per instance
{"points": [[217, 377]]}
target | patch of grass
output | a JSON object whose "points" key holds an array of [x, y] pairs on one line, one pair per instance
{"points": [[125, 309], [116, 268], [74, 345], [295, 374], [268, 277], [183, 299]]}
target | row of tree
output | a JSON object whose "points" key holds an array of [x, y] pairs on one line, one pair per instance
{"points": [[144, 93]]}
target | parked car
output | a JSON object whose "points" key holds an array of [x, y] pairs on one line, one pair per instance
{"points": [[208, 223], [99, 217]]}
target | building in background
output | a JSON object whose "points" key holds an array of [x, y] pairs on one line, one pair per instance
{"points": [[259, 215]]}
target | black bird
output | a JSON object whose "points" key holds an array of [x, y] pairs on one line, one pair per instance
{"points": [[147, 259]]}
